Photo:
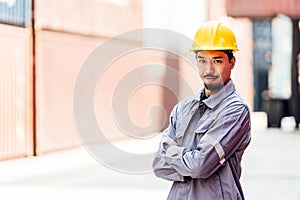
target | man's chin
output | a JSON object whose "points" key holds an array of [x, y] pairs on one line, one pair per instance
{"points": [[213, 87]]}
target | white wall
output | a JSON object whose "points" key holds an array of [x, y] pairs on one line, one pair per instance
{"points": [[183, 17]]}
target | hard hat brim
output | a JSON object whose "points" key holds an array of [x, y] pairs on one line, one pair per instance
{"points": [[212, 49]]}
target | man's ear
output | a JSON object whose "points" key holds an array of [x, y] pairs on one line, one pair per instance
{"points": [[232, 62]]}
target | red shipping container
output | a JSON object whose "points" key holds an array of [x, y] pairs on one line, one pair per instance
{"points": [[58, 60], [133, 98], [16, 88], [93, 17], [59, 57], [263, 8]]}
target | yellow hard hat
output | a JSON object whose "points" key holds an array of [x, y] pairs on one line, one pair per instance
{"points": [[214, 35]]}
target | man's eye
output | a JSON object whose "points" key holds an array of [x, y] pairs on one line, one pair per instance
{"points": [[202, 61], [217, 61]]}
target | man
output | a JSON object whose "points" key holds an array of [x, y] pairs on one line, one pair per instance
{"points": [[202, 148]]}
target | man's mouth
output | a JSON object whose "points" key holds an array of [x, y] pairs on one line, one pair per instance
{"points": [[210, 77]]}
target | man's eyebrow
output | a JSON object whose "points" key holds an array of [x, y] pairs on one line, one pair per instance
{"points": [[216, 57]]}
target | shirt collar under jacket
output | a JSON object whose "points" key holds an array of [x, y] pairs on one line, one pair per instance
{"points": [[216, 98]]}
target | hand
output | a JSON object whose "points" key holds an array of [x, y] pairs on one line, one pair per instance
{"points": [[166, 142]]}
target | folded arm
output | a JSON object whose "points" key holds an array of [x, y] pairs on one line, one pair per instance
{"points": [[217, 144]]}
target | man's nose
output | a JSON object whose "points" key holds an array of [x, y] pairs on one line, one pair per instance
{"points": [[210, 69]]}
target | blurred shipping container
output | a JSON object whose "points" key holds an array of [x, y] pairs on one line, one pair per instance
{"points": [[262, 8], [59, 58], [262, 59], [93, 17], [140, 95], [16, 12], [16, 88]]}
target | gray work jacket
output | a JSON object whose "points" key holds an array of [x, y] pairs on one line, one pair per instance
{"points": [[203, 135]]}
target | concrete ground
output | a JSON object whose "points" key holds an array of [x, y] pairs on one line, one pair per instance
{"points": [[270, 171], [271, 166]]}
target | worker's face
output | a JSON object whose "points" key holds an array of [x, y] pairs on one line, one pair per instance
{"points": [[215, 69]]}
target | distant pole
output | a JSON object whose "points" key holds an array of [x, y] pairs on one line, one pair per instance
{"points": [[295, 99]]}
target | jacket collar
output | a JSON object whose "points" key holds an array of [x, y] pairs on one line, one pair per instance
{"points": [[218, 97]]}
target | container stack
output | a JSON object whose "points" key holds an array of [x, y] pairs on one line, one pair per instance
{"points": [[40, 59], [66, 32], [16, 82]]}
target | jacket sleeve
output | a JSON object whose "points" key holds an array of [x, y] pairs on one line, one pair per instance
{"points": [[161, 168], [229, 132]]}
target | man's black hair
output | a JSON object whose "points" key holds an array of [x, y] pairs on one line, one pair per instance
{"points": [[227, 52]]}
